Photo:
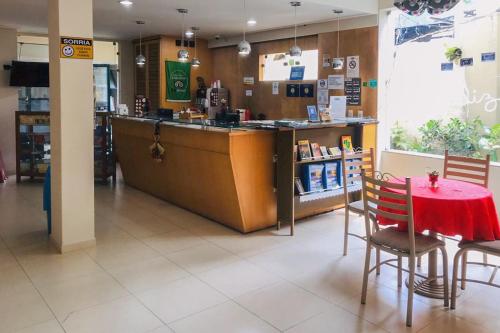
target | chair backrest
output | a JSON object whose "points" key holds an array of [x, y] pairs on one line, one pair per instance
{"points": [[472, 170], [352, 165], [386, 197]]}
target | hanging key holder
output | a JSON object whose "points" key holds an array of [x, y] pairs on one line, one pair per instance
{"points": [[157, 150]]}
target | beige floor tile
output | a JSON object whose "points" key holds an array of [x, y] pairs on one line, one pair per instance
{"points": [[13, 280], [386, 308], [292, 260], [180, 299], [6, 259], [202, 258], [119, 254], [238, 278], [335, 320], [145, 226], [162, 329], [453, 324], [125, 315], [283, 305], [174, 241], [148, 274], [23, 309], [224, 318], [44, 265], [52, 326], [82, 292]]}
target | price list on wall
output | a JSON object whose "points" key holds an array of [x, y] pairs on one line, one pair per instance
{"points": [[352, 89]]}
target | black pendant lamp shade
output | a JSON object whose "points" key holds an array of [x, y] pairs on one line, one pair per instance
{"points": [[417, 7]]}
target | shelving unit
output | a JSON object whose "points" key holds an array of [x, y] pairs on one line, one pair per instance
{"points": [[104, 157], [33, 146], [291, 206]]}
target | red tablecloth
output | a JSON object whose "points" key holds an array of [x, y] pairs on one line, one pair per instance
{"points": [[455, 208]]}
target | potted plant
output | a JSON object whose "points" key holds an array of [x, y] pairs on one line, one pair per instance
{"points": [[453, 54]]}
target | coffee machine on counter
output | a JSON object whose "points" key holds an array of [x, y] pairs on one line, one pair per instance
{"points": [[214, 98]]}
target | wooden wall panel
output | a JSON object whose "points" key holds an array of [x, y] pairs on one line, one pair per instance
{"points": [[169, 52], [357, 42], [231, 68]]}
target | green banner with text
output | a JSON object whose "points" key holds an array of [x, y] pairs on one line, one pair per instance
{"points": [[178, 81]]}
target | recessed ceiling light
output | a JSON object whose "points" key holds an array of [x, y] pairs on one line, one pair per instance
{"points": [[126, 3], [251, 22]]}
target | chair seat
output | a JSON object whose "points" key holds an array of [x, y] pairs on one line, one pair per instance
{"points": [[359, 207], [399, 241], [490, 246]]}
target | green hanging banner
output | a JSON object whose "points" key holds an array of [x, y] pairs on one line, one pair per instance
{"points": [[178, 81]]}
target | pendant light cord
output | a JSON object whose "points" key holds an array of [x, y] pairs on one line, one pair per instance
{"points": [[182, 32], [295, 20], [140, 42], [244, 19], [195, 45], [338, 35]]}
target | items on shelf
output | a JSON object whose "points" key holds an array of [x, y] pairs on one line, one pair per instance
{"points": [[304, 150], [316, 151], [312, 177]]}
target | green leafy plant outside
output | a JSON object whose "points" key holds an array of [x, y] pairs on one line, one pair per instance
{"points": [[460, 137]]}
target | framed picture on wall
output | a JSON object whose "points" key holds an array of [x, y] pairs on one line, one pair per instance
{"points": [[312, 113]]}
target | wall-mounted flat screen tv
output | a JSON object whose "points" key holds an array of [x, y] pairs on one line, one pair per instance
{"points": [[29, 74]]}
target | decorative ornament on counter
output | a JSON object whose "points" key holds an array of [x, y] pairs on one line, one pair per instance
{"points": [[418, 7], [157, 150]]}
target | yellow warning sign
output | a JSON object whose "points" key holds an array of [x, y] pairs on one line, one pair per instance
{"points": [[77, 48]]}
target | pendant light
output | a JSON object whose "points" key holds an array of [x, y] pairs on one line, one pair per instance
{"points": [[244, 47], [195, 62], [183, 54], [338, 63], [295, 50], [140, 60]]}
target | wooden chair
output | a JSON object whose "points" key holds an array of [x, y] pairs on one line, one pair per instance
{"points": [[376, 196], [485, 247], [467, 169], [472, 170], [352, 164]]}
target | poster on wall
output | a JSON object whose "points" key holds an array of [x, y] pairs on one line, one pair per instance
{"points": [[323, 96], [322, 84], [307, 90], [338, 107], [276, 88], [353, 66], [297, 73], [353, 91], [336, 82], [292, 90], [326, 60], [178, 81]]}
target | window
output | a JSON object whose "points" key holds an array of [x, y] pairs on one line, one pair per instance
{"points": [[441, 80], [277, 66]]}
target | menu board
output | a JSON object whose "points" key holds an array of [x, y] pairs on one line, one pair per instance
{"points": [[352, 88]]}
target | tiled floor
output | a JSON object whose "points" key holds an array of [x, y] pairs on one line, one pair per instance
{"points": [[158, 268]]}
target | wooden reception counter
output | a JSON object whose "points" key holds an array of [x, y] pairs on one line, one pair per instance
{"points": [[223, 174], [227, 175]]}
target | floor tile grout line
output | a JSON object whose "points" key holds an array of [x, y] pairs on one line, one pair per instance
{"points": [[38, 292]]}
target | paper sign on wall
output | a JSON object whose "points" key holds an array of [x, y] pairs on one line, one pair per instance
{"points": [[488, 56], [248, 80], [248, 93], [326, 60], [323, 96], [336, 82], [353, 66], [77, 48], [276, 88], [338, 106], [322, 84]]}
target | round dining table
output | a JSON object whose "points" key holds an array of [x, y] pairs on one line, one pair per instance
{"points": [[453, 208]]}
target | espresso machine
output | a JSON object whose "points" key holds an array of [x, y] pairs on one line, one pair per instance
{"points": [[214, 98]]}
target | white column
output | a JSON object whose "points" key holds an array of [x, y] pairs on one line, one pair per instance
{"points": [[71, 112]]}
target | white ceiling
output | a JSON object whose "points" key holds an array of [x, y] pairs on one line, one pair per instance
{"points": [[224, 17]]}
